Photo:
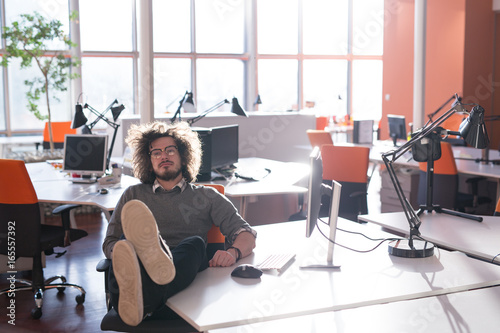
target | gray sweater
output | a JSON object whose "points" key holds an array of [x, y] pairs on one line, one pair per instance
{"points": [[179, 214]]}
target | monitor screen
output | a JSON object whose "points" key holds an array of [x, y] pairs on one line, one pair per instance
{"points": [[220, 148], [85, 154], [397, 127], [317, 189]]}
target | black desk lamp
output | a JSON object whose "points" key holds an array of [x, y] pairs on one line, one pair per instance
{"points": [[187, 103], [235, 108], [80, 119], [472, 130]]}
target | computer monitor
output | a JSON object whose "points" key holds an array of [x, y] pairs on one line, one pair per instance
{"points": [[317, 189], [220, 148], [397, 127], [85, 154]]}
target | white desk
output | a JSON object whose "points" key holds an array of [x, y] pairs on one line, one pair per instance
{"points": [[282, 179], [470, 311], [54, 186], [477, 239], [216, 300], [9, 141]]}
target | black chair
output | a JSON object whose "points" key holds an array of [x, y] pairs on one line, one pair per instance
{"points": [[23, 235], [445, 185]]}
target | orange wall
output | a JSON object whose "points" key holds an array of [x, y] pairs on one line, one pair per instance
{"points": [[398, 62], [459, 55]]}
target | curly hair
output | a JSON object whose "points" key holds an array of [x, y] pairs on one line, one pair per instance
{"points": [[188, 144]]}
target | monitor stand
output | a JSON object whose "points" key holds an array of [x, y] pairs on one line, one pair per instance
{"points": [[334, 213], [84, 179]]}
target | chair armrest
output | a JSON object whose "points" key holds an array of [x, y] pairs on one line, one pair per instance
{"points": [[103, 265]]}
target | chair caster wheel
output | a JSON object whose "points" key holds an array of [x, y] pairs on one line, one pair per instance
{"points": [[36, 313], [80, 299]]}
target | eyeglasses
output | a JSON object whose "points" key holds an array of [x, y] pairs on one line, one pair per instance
{"points": [[169, 150]]}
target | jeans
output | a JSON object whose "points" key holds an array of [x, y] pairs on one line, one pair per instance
{"points": [[190, 257]]}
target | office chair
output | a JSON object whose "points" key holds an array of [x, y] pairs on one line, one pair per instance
{"points": [[317, 138], [20, 222], [453, 124], [347, 165], [59, 130], [445, 184], [321, 123], [112, 321]]}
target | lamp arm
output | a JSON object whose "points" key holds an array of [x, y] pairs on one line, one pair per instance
{"points": [[390, 157], [99, 114], [115, 127], [213, 108], [178, 112], [411, 215], [441, 107]]}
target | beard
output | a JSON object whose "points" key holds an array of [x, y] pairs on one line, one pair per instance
{"points": [[168, 175]]}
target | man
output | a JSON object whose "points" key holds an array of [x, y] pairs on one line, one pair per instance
{"points": [[157, 234]]}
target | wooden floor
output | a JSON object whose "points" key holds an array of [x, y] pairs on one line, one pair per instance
{"points": [[60, 310]]}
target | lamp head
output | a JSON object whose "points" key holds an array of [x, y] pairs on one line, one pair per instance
{"points": [[188, 104], [473, 130], [116, 111], [237, 109], [79, 119]]}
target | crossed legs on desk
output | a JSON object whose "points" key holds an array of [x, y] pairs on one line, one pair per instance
{"points": [[189, 258]]}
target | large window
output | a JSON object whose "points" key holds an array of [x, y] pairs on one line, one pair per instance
{"points": [[321, 55]]}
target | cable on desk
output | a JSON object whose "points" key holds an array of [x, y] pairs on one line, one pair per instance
{"points": [[382, 240]]}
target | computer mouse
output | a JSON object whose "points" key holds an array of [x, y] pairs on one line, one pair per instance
{"points": [[246, 271], [103, 191]]}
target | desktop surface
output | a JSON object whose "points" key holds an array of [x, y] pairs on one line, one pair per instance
{"points": [[478, 239], [364, 279]]}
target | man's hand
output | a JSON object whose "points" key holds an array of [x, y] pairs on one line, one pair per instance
{"points": [[223, 258]]}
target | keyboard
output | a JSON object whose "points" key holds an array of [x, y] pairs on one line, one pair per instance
{"points": [[276, 261]]}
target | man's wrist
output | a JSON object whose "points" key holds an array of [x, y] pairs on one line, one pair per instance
{"points": [[237, 252]]}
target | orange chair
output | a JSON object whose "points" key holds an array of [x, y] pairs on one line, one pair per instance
{"points": [[20, 221], [348, 165], [321, 123], [453, 124], [59, 130], [497, 209], [317, 138]]}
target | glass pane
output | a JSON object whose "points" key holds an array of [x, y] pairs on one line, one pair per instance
{"points": [[107, 79], [219, 79], [368, 30], [50, 10], [106, 25], [172, 80], [277, 26], [325, 26], [21, 117], [220, 26], [367, 89], [278, 81], [171, 26], [325, 84]]}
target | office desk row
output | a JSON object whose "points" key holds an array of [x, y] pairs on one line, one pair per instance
{"points": [[365, 281], [54, 186]]}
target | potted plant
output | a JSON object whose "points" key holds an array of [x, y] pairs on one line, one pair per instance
{"points": [[28, 39]]}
